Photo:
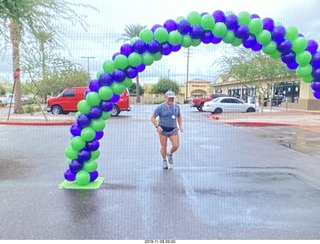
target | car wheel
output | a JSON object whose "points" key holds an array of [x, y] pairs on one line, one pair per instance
{"points": [[200, 107], [250, 110], [217, 111], [115, 111], [56, 109]]}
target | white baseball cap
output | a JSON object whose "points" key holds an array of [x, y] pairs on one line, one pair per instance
{"points": [[170, 94]]}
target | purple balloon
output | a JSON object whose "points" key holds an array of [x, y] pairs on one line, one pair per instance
{"points": [[176, 48], [315, 85], [75, 166], [166, 48], [95, 112], [84, 155], [86, 92], [219, 16], [153, 47], [203, 14], [284, 47], [293, 65], [119, 75], [268, 24], [155, 27], [216, 40], [115, 55], [94, 85], [141, 67], [250, 42], [232, 21], [254, 16], [139, 46], [184, 27], [316, 60], [208, 37], [316, 74], [257, 47], [115, 98], [278, 34], [288, 58], [83, 120], [197, 32], [93, 175], [106, 106], [99, 135], [105, 79], [312, 46], [316, 94], [131, 72], [126, 49], [242, 32], [75, 130], [170, 25], [69, 175], [93, 145]]}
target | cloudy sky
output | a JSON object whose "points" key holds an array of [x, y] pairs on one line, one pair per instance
{"points": [[107, 24]]}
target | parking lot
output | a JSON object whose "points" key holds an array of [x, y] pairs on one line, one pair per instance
{"points": [[228, 182]]}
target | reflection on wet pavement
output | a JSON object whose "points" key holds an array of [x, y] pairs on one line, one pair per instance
{"points": [[298, 139]]}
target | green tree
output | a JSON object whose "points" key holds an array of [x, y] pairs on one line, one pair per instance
{"points": [[165, 84], [130, 32], [248, 68], [133, 89], [20, 17]]}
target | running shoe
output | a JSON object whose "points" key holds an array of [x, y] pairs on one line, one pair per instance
{"points": [[165, 164]]}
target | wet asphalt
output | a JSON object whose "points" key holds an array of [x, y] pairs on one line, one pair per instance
{"points": [[227, 183]]}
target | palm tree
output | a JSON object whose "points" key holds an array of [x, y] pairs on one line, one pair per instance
{"points": [[30, 17], [131, 31]]}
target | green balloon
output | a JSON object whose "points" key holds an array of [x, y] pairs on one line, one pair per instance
{"points": [[299, 44], [255, 26], [135, 59], [236, 42], [195, 42], [105, 92], [307, 79], [71, 153], [179, 18], [82, 177], [93, 98], [244, 18], [90, 165], [77, 143], [118, 88], [303, 58], [175, 38], [229, 13], [161, 35], [275, 55], [95, 154], [121, 62], [88, 134], [219, 29], [134, 39], [186, 41], [127, 82], [77, 115], [304, 71], [147, 58], [229, 37], [207, 22], [291, 33], [83, 106], [105, 115], [194, 18], [146, 35], [98, 124], [108, 66], [157, 56], [264, 37], [99, 73], [270, 48]]}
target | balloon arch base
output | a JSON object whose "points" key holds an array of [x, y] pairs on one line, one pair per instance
{"points": [[74, 185]]}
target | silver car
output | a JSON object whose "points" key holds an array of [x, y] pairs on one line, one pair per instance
{"points": [[228, 105]]}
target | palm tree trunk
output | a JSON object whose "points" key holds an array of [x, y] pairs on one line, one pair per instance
{"points": [[138, 100], [15, 40]]}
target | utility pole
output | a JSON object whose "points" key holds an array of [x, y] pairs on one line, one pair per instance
{"points": [[88, 61], [188, 57]]}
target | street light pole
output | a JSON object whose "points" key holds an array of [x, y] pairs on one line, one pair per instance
{"points": [[168, 73], [88, 59]]}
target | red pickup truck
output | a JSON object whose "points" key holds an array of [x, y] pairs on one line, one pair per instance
{"points": [[198, 102], [68, 100]]}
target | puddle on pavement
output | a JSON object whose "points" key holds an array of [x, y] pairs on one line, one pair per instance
{"points": [[301, 140]]}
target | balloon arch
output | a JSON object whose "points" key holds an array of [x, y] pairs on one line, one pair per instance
{"points": [[250, 31]]}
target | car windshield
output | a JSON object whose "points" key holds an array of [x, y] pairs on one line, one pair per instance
{"points": [[216, 99]]}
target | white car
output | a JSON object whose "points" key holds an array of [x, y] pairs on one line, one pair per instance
{"points": [[228, 104]]}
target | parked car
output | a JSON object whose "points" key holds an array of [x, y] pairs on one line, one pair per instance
{"points": [[68, 100], [198, 102], [228, 104]]}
